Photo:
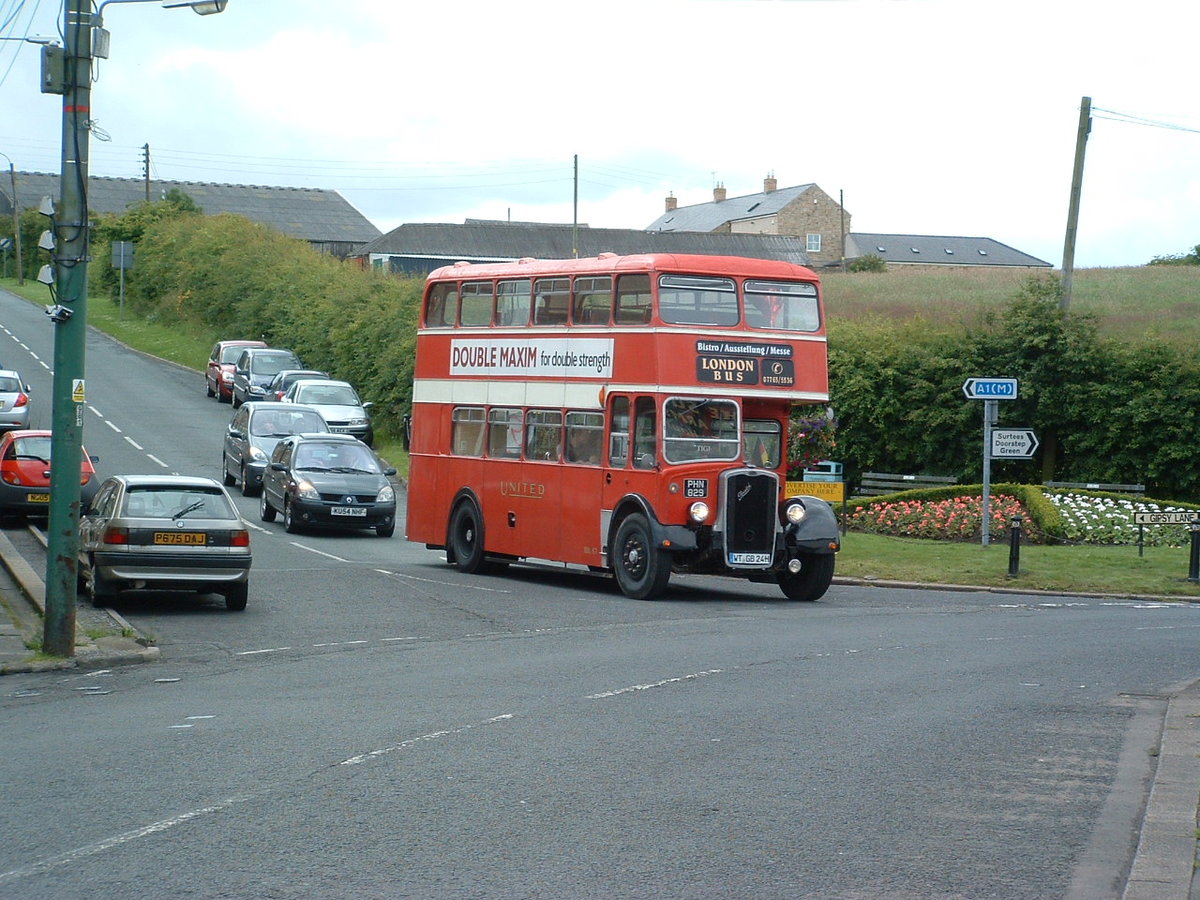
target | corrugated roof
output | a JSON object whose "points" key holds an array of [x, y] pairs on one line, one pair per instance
{"points": [[711, 216], [310, 214], [500, 241], [937, 250]]}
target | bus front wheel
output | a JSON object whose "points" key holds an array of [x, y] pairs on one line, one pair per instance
{"points": [[812, 581], [466, 537], [642, 569]]}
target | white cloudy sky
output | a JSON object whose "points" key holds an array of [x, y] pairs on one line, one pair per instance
{"points": [[950, 117]]}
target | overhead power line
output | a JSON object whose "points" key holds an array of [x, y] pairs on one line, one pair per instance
{"points": [[1115, 116]]}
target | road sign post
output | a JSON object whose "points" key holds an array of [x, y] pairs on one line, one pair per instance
{"points": [[989, 390]]}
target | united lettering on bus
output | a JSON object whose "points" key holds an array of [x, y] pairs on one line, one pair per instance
{"points": [[530, 489]]}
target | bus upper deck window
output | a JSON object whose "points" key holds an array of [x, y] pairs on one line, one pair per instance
{"points": [[476, 304], [697, 300], [633, 300], [512, 302], [593, 301], [552, 299], [782, 305], [441, 308]]}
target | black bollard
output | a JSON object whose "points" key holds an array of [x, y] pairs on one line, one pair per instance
{"points": [[1194, 562], [1014, 546]]}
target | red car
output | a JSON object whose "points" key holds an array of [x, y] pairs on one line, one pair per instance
{"points": [[218, 377], [25, 473]]}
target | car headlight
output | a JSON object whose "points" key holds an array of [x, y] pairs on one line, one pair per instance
{"points": [[387, 495], [306, 490], [698, 512], [227, 377], [795, 513], [358, 421]]}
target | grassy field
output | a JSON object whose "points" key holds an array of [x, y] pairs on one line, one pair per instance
{"points": [[1159, 302]]}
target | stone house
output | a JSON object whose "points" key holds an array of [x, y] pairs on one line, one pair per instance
{"points": [[804, 211]]}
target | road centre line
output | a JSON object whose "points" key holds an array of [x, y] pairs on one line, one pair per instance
{"points": [[157, 460], [412, 742], [465, 587], [133, 443], [318, 552], [268, 650], [656, 684], [73, 856]]}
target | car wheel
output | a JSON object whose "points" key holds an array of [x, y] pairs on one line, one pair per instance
{"points": [[235, 597], [208, 389], [248, 490], [234, 400], [100, 591], [386, 530], [226, 478], [466, 537], [642, 569], [290, 525], [266, 511], [812, 581]]}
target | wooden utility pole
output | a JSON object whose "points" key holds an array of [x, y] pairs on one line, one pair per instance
{"points": [[1068, 263], [146, 169]]}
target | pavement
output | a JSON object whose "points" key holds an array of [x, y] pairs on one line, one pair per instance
{"points": [[1164, 866]]}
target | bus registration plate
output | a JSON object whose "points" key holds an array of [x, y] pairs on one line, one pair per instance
{"points": [[349, 511], [749, 559]]}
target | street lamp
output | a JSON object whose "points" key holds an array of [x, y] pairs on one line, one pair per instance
{"points": [[69, 315], [16, 217]]}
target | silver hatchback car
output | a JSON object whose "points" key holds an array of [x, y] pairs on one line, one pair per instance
{"points": [[14, 401], [164, 532]]}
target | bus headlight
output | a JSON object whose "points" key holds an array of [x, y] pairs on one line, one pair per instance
{"points": [[698, 512], [795, 513]]}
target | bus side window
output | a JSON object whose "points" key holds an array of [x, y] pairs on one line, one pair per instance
{"points": [[544, 430], [593, 301], [504, 433], [512, 302], [442, 306], [466, 431], [633, 300], [476, 304], [618, 432], [552, 299], [585, 435], [643, 434]]}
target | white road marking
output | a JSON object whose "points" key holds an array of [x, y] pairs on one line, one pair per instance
{"points": [[157, 460], [468, 587], [318, 552], [134, 444], [412, 742], [270, 650], [74, 856], [656, 684]]}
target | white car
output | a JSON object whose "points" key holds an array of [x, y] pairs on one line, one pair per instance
{"points": [[338, 404]]}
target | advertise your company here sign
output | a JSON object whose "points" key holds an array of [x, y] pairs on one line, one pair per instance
{"points": [[532, 357]]}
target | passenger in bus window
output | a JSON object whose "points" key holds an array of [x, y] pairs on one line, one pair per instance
{"points": [[583, 445]]}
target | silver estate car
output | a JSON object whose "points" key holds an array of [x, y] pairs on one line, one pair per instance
{"points": [[164, 532]]}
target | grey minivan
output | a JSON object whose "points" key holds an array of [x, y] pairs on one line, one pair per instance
{"points": [[254, 369]]}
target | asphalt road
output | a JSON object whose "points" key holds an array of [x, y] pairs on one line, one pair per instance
{"points": [[376, 724]]}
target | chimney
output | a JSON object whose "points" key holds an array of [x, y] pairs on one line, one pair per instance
{"points": [[718, 193], [769, 184], [672, 203]]}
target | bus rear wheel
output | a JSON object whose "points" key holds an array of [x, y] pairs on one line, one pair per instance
{"points": [[466, 538], [813, 579], [642, 569]]}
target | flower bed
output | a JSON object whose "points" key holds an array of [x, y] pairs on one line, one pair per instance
{"points": [[1095, 519], [953, 519]]}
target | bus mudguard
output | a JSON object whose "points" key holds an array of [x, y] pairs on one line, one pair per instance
{"points": [[669, 537]]}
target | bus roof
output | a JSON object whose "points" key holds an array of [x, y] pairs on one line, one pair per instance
{"points": [[607, 263]]}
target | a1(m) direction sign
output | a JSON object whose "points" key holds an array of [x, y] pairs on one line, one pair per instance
{"points": [[990, 388], [1013, 443]]}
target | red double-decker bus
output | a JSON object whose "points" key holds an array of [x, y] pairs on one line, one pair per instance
{"points": [[626, 413]]}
